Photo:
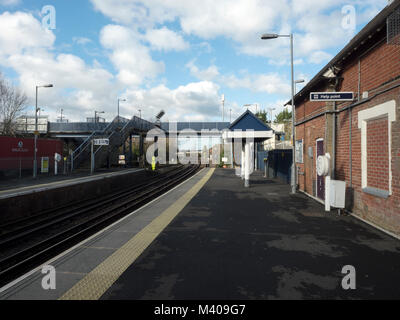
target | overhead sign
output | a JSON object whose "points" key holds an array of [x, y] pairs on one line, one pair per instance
{"points": [[101, 142], [331, 96]]}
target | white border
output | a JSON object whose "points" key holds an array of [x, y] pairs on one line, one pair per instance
{"points": [[385, 109]]}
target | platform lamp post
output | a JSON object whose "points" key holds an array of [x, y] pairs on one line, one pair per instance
{"points": [[269, 36], [223, 105], [36, 129], [250, 105], [119, 100], [297, 82], [95, 116]]}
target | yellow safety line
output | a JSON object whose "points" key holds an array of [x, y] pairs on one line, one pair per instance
{"points": [[97, 282]]}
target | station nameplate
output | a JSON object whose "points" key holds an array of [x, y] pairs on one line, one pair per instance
{"points": [[101, 142]]}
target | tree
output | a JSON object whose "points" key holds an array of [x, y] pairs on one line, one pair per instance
{"points": [[262, 115], [283, 116], [12, 102]]}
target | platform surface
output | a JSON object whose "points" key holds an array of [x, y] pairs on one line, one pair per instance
{"points": [[29, 185], [227, 242], [231, 242]]}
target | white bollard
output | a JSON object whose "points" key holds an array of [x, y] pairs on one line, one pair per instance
{"points": [[57, 157], [247, 162], [327, 193], [242, 163], [251, 157]]}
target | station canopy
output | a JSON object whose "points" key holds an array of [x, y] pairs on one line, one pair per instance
{"points": [[248, 126]]}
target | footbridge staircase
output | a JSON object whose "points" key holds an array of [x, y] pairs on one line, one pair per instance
{"points": [[117, 131]]}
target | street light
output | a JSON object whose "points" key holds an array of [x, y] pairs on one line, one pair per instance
{"points": [[297, 82], [250, 105], [270, 110], [95, 115], [61, 116], [123, 100], [140, 114], [223, 105], [268, 36], [36, 129]]}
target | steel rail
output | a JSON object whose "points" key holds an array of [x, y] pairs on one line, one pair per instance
{"points": [[49, 214]]}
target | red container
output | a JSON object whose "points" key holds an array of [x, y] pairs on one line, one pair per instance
{"points": [[18, 152]]}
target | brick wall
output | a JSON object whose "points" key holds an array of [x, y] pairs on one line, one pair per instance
{"points": [[309, 131], [380, 70], [378, 153], [383, 212]]}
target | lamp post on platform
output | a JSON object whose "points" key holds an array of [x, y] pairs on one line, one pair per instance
{"points": [[123, 100], [36, 129], [269, 36]]}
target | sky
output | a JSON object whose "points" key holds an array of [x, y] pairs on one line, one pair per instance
{"points": [[179, 56]]}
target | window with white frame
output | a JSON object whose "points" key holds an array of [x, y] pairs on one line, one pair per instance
{"points": [[376, 141]]}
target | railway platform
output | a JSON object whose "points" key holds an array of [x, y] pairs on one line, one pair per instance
{"points": [[212, 238], [16, 187]]}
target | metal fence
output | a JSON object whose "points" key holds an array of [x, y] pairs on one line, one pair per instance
{"points": [[12, 168], [279, 165]]}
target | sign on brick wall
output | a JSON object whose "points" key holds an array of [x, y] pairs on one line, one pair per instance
{"points": [[331, 96]]}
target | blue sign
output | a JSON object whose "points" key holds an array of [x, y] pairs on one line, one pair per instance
{"points": [[331, 96]]}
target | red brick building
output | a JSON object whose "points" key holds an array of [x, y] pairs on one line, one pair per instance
{"points": [[362, 136]]}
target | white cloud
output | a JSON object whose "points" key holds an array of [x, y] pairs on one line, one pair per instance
{"points": [[318, 57], [129, 56], [20, 31], [207, 74], [9, 2], [81, 40], [207, 20], [143, 13], [27, 49], [271, 83], [77, 86], [165, 39], [196, 101], [317, 23]]}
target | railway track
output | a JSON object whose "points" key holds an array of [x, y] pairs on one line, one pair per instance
{"points": [[31, 241]]}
